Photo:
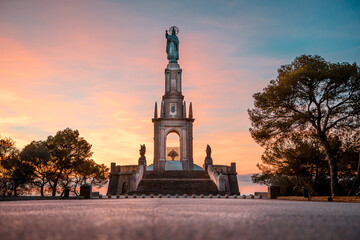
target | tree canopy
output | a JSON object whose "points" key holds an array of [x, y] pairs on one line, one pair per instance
{"points": [[309, 95], [67, 150], [63, 160], [14, 172], [37, 155]]}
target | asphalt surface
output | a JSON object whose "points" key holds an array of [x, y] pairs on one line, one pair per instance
{"points": [[178, 219]]}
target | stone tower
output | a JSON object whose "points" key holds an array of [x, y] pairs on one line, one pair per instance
{"points": [[173, 116], [173, 177]]}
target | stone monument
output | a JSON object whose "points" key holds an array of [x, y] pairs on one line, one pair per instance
{"points": [[173, 176], [173, 117]]}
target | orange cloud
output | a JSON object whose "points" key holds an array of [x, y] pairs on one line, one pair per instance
{"points": [[100, 70]]}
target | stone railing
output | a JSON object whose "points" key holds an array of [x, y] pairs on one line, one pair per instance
{"points": [[135, 179], [219, 179], [139, 175]]}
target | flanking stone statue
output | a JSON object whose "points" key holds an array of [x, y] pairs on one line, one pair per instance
{"points": [[142, 159], [208, 159], [172, 44], [208, 151]]}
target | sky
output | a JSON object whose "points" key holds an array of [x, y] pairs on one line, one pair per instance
{"points": [[98, 67]]}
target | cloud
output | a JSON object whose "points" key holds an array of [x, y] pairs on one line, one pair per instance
{"points": [[98, 66], [86, 68]]}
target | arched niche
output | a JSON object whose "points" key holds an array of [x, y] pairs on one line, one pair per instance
{"points": [[173, 143]]}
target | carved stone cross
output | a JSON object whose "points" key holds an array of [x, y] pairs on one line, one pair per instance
{"points": [[173, 154]]}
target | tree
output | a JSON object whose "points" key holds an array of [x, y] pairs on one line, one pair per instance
{"points": [[37, 155], [313, 95], [7, 148], [15, 172], [294, 164], [89, 172], [18, 172], [350, 162], [67, 150]]}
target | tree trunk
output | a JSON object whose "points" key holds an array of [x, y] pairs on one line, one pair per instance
{"points": [[42, 189], [56, 183], [15, 192], [356, 181], [335, 190], [54, 188], [76, 183], [75, 189]]}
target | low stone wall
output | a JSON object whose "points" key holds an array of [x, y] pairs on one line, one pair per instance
{"points": [[139, 175], [219, 179], [262, 194], [224, 178], [124, 179], [127, 168]]}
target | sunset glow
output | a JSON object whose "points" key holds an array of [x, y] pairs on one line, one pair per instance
{"points": [[98, 67]]}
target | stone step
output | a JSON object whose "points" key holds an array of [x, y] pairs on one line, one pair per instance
{"points": [[176, 182], [175, 174], [176, 179]]}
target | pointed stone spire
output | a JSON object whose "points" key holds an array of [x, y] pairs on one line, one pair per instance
{"points": [[184, 110], [190, 111], [162, 109], [155, 111]]}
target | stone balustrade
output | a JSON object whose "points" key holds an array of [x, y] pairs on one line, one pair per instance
{"points": [[219, 179]]}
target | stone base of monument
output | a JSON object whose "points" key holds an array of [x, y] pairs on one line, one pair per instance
{"points": [[85, 190], [177, 182]]}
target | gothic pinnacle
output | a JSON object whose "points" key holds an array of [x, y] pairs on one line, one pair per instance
{"points": [[155, 111], [184, 110], [190, 111], [162, 112]]}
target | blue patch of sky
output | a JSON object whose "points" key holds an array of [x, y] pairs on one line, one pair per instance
{"points": [[283, 29], [39, 133]]}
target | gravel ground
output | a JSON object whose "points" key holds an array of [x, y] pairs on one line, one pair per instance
{"points": [[178, 219]]}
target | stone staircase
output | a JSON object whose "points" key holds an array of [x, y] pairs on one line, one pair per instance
{"points": [[176, 182]]}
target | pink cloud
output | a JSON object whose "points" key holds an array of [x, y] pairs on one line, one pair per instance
{"points": [[88, 68]]}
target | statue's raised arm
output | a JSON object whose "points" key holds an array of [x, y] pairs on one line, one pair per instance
{"points": [[172, 44]]}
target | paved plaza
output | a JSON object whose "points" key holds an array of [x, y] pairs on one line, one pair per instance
{"points": [[178, 219]]}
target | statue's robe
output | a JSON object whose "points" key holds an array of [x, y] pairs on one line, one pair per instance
{"points": [[172, 47]]}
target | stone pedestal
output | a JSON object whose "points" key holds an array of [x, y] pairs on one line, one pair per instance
{"points": [[142, 161], [85, 190], [208, 161], [274, 192]]}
